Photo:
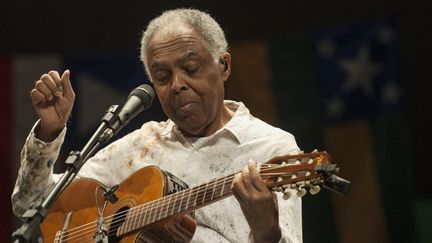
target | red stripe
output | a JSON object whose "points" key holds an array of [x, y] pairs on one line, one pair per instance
{"points": [[6, 143]]}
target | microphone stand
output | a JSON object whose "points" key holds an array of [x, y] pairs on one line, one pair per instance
{"points": [[75, 160]]}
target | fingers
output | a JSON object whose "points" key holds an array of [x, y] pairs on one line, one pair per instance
{"points": [[37, 97], [248, 182], [56, 77], [51, 85], [67, 86], [255, 177], [239, 190], [47, 85]]}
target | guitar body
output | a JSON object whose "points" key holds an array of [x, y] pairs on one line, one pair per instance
{"points": [[152, 204], [76, 209]]}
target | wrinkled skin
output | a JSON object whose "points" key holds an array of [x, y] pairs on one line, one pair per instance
{"points": [[53, 99], [189, 84]]}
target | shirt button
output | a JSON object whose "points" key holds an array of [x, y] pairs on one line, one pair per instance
{"points": [[40, 145]]}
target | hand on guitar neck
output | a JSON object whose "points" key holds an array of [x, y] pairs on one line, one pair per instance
{"points": [[258, 204]]}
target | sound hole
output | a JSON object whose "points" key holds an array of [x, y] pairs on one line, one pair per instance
{"points": [[117, 221]]}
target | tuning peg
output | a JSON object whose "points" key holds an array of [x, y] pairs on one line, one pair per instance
{"points": [[314, 190], [301, 192], [315, 151], [287, 194], [310, 161], [307, 173], [297, 162]]}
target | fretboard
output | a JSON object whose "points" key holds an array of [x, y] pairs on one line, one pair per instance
{"points": [[180, 202]]}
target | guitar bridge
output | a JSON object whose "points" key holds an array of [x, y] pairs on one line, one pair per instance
{"points": [[62, 235]]}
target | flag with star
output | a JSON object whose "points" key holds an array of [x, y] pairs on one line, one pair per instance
{"points": [[340, 89], [359, 78], [359, 71]]}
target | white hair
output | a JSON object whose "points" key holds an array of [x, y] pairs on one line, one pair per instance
{"points": [[201, 22]]}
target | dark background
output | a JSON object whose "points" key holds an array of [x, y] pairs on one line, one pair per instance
{"points": [[74, 27]]}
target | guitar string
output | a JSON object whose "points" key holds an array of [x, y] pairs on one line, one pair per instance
{"points": [[158, 203], [138, 210], [114, 232]]}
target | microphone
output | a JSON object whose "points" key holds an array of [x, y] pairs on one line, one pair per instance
{"points": [[138, 100]]}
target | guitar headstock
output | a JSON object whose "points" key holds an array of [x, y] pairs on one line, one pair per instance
{"points": [[302, 172]]}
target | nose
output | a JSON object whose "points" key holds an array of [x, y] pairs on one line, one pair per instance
{"points": [[178, 83]]}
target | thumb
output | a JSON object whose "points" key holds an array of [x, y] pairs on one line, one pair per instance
{"points": [[67, 86]]}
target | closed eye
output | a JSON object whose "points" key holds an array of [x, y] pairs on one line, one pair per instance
{"points": [[191, 70], [161, 77]]}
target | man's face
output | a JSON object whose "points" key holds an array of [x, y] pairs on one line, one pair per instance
{"points": [[187, 80]]}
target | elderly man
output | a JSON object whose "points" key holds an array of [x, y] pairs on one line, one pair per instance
{"points": [[184, 52]]}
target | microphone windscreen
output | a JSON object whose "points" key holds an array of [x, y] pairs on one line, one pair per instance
{"points": [[145, 93]]}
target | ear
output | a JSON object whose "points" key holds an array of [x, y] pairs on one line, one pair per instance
{"points": [[226, 65]]}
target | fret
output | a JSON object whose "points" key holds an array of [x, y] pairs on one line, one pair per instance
{"points": [[177, 202], [227, 189], [181, 201], [217, 187], [150, 212], [173, 203], [127, 221], [197, 194], [167, 204], [223, 186], [137, 217], [146, 210], [156, 211], [187, 203], [214, 188], [141, 216], [132, 218], [120, 228], [205, 192]]}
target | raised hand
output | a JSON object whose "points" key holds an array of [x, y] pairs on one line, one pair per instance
{"points": [[258, 204], [53, 99]]}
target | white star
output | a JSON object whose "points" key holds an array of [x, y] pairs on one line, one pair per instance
{"points": [[360, 72], [390, 93], [326, 48], [335, 107]]}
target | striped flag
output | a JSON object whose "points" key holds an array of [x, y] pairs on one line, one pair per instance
{"points": [[359, 75]]}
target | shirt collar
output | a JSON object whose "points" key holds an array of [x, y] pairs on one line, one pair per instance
{"points": [[235, 126]]}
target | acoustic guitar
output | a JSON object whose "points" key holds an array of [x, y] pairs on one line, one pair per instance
{"points": [[155, 206]]}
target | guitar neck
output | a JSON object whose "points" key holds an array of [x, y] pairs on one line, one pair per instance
{"points": [[297, 172], [180, 202]]}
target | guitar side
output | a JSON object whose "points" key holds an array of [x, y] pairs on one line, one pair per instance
{"points": [[76, 209]]}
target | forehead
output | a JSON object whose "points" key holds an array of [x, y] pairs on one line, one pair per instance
{"points": [[178, 42]]}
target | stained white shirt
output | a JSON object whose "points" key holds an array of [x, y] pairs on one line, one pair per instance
{"points": [[194, 160]]}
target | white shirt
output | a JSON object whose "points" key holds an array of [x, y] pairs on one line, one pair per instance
{"points": [[195, 161]]}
